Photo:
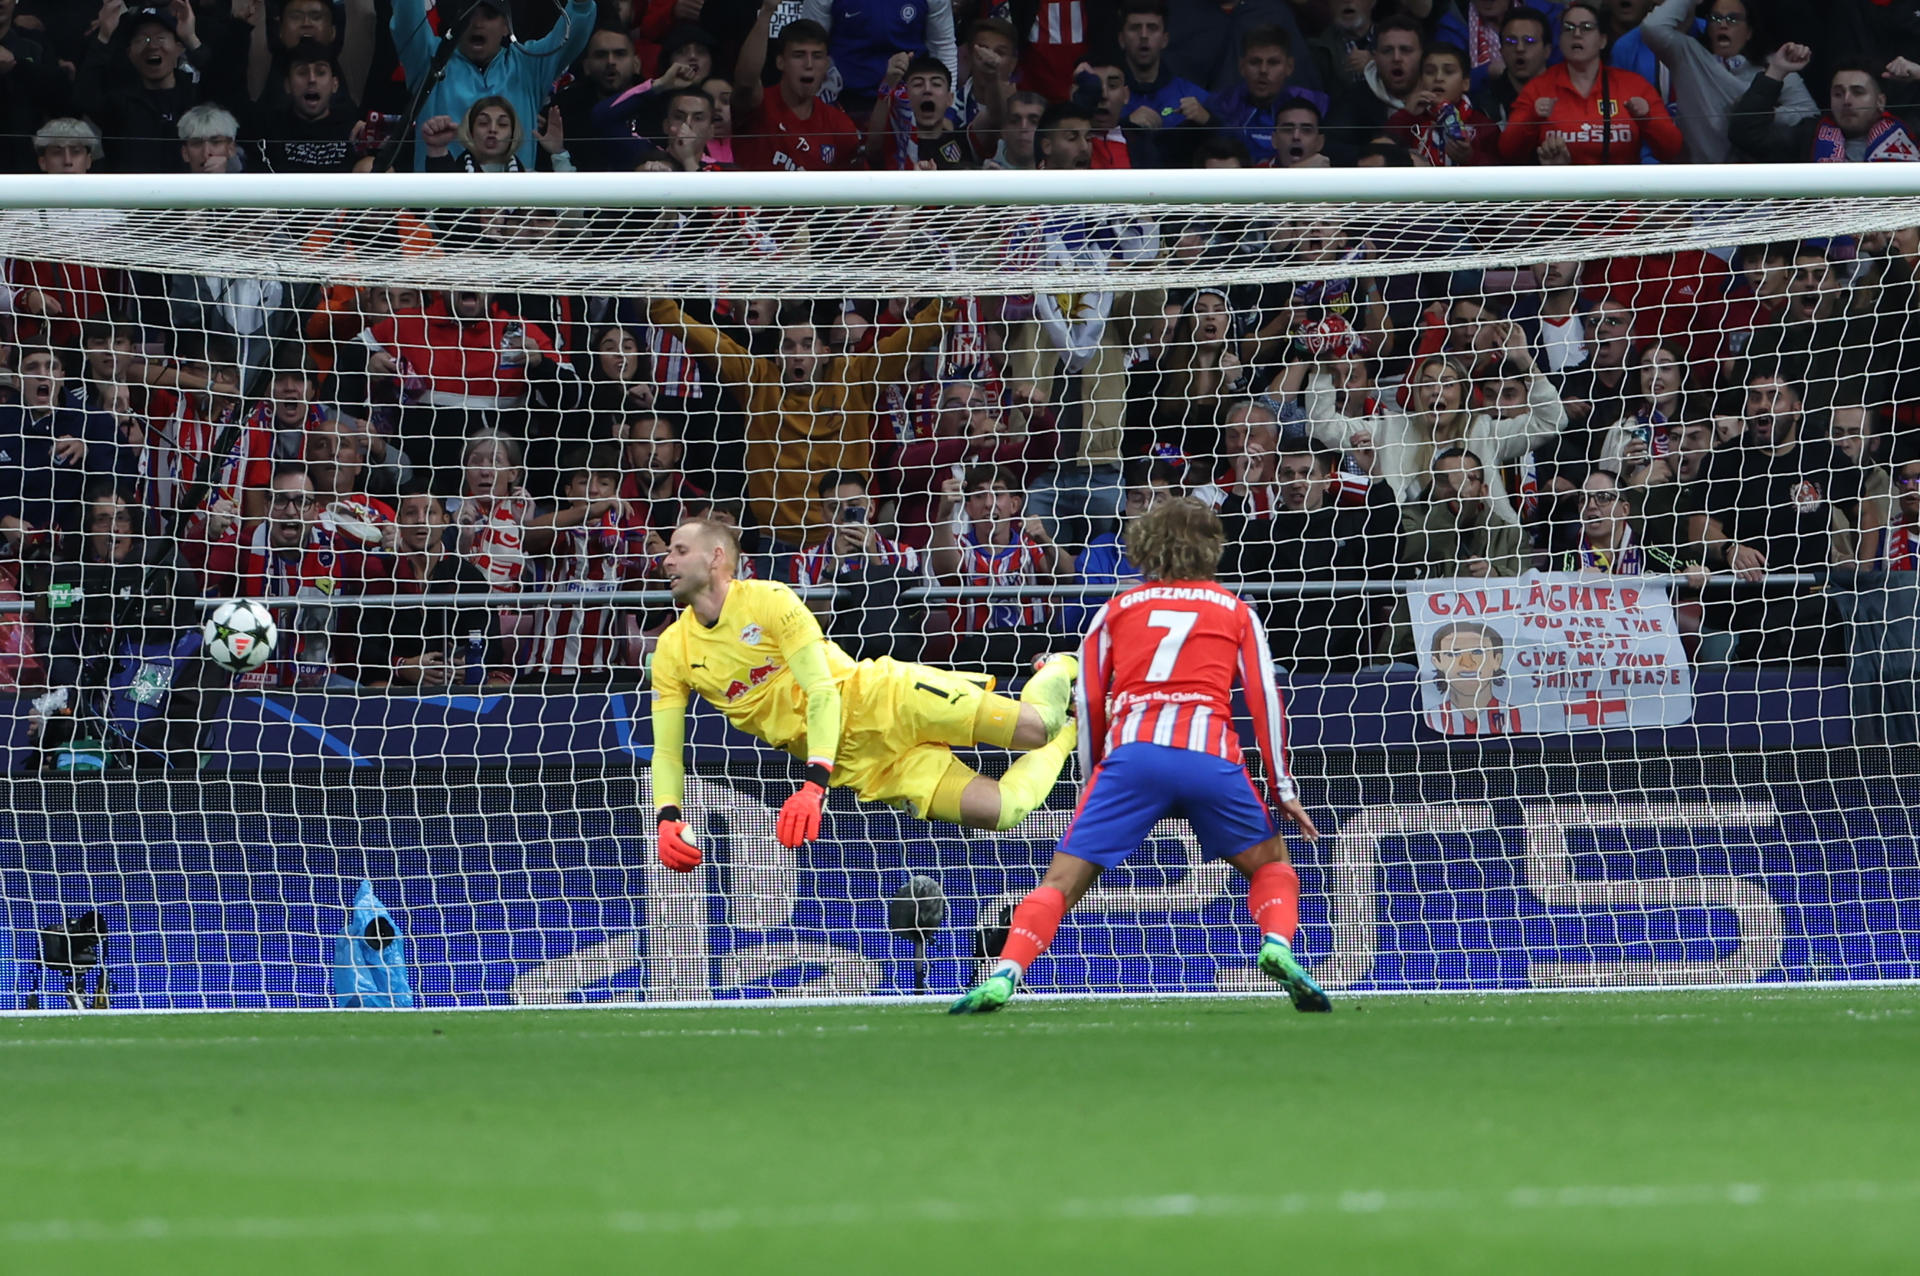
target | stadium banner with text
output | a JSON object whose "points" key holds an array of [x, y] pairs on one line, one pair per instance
{"points": [[1549, 652], [518, 887]]}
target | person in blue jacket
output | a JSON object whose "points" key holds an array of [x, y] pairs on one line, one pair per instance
{"points": [[1168, 100], [1477, 28], [862, 38], [486, 62], [1249, 110], [1104, 561], [1629, 50]]}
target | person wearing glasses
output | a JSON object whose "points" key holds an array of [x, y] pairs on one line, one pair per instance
{"points": [[1610, 544], [1711, 62], [292, 556], [1895, 545], [1586, 112], [1615, 541], [1527, 44], [1476, 27]]}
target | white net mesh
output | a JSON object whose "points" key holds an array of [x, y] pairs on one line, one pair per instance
{"points": [[1583, 532], [885, 250]]}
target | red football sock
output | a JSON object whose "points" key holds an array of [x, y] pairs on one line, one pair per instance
{"points": [[1034, 922], [1273, 897]]}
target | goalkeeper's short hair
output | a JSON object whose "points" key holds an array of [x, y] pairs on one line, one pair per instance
{"points": [[719, 533]]}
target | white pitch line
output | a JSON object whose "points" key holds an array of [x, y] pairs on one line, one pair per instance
{"points": [[868, 1214], [1041, 1016], [904, 1002]]}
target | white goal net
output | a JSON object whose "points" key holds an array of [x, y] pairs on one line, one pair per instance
{"points": [[1584, 523]]}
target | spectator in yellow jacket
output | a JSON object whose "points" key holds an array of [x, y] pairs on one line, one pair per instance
{"points": [[809, 410]]}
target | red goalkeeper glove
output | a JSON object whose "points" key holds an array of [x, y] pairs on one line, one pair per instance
{"points": [[677, 851], [800, 817]]}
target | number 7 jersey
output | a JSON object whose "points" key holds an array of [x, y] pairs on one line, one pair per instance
{"points": [[1158, 666]]}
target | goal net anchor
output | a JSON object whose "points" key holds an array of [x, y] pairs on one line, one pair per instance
{"points": [[69, 952], [916, 913]]}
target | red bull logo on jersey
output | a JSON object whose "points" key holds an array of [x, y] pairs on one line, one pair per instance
{"points": [[755, 677]]}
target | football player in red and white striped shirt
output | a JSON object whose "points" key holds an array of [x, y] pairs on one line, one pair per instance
{"points": [[1157, 739]]}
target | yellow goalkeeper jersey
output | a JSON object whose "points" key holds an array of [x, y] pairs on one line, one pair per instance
{"points": [[765, 665]]}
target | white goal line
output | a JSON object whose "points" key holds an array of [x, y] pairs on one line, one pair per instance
{"points": [[925, 1003]]}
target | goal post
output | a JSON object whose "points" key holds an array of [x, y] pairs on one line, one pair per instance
{"points": [[1582, 506]]}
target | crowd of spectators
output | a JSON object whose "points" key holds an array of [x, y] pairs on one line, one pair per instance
{"points": [[1741, 410]]}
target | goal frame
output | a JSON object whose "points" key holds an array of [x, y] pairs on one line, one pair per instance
{"points": [[1255, 189]]}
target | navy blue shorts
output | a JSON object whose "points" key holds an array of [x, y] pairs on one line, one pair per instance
{"points": [[1138, 785]]}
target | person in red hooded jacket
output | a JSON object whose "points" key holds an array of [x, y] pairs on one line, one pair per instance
{"points": [[1586, 112]]}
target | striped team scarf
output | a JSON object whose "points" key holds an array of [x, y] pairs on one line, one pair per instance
{"points": [[1628, 560], [1483, 39], [1529, 485], [674, 370], [1887, 141], [963, 348]]}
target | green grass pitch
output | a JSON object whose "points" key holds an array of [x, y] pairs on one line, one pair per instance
{"points": [[1710, 1131]]}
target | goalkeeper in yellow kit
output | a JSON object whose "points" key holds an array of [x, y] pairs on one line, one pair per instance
{"points": [[884, 729]]}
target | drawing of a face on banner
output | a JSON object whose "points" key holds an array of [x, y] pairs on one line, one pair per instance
{"points": [[1464, 695]]}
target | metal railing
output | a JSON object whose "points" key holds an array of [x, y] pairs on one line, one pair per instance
{"points": [[971, 593], [1308, 588]]}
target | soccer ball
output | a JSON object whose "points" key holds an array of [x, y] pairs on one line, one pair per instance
{"points": [[240, 636]]}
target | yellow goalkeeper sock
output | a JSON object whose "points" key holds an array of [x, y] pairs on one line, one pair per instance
{"points": [[1050, 691], [1031, 777]]}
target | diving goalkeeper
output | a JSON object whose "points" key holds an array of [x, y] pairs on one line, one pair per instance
{"points": [[884, 729]]}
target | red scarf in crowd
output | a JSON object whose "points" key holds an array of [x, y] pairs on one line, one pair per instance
{"points": [[1483, 39]]}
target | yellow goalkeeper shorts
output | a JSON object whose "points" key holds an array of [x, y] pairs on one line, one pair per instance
{"points": [[901, 724]]}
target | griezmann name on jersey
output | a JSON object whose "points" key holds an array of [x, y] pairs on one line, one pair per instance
{"points": [[1158, 666]]}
